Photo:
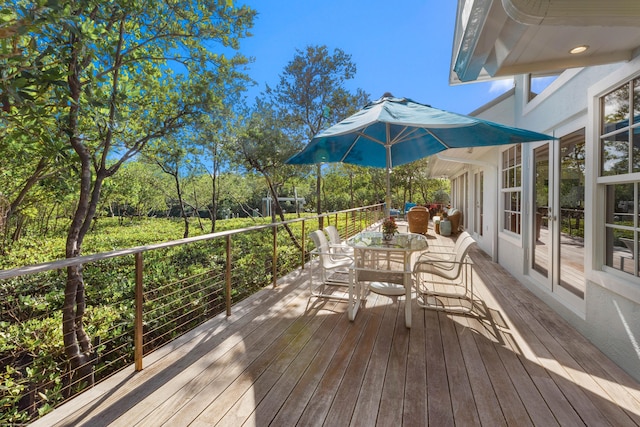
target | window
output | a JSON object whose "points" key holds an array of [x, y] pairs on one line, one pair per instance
{"points": [[512, 189], [619, 162], [539, 82]]}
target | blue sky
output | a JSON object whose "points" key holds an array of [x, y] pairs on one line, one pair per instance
{"points": [[403, 46]]}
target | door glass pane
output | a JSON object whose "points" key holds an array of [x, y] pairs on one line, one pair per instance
{"points": [[542, 239], [571, 215]]}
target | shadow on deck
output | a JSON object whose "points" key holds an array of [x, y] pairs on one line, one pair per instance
{"points": [[282, 360]]}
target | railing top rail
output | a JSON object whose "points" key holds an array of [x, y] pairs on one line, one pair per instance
{"points": [[68, 262]]}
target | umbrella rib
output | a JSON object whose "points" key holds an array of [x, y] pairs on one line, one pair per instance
{"points": [[355, 141], [401, 137], [437, 139], [353, 144], [370, 138]]}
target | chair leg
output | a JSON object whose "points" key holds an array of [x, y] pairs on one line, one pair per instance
{"points": [[442, 301], [317, 290]]}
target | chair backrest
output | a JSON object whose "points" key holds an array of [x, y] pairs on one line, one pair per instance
{"points": [[334, 234], [464, 235], [455, 216], [419, 208], [320, 240], [449, 269], [418, 220], [464, 248], [322, 245]]}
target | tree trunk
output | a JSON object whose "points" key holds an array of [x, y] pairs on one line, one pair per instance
{"points": [[181, 203], [197, 209], [76, 341], [279, 212], [36, 176]]}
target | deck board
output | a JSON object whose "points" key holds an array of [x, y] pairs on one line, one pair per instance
{"points": [[282, 359]]}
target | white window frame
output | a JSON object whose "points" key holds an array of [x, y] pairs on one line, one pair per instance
{"points": [[504, 190], [629, 178], [611, 279]]}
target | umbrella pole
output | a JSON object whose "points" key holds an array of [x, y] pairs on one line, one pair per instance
{"points": [[387, 145], [387, 209]]}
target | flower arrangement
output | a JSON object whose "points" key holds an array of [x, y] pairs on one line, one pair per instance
{"points": [[389, 226]]}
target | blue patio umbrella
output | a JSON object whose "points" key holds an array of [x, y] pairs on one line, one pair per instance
{"points": [[394, 131]]}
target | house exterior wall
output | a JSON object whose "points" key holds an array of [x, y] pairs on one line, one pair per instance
{"points": [[609, 313]]}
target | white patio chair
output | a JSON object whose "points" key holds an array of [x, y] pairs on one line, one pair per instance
{"points": [[336, 244], [444, 253], [328, 269], [446, 284], [379, 272]]}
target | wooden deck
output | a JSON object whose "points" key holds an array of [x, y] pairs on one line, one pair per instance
{"points": [[283, 360]]}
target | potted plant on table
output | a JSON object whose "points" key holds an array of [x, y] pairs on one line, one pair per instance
{"points": [[389, 228]]}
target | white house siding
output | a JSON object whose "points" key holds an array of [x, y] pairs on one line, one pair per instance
{"points": [[609, 315]]}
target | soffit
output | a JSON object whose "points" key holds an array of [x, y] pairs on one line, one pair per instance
{"points": [[453, 161], [496, 39]]}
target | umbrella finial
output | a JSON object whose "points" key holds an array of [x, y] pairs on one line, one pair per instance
{"points": [[387, 95]]}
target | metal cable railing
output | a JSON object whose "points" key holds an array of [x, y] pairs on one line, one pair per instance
{"points": [[137, 299]]}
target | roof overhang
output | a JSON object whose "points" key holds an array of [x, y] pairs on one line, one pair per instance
{"points": [[455, 161], [498, 39]]}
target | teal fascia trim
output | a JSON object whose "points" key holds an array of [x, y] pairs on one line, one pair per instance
{"points": [[465, 67]]}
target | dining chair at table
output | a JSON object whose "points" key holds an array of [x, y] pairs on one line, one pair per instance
{"points": [[446, 284], [445, 252], [328, 268], [384, 267], [336, 243]]}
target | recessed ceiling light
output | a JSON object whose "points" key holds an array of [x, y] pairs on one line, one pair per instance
{"points": [[578, 49]]}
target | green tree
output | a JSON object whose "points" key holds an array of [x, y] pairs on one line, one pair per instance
{"points": [[172, 154], [134, 72], [32, 144], [135, 189], [217, 145], [311, 95], [264, 147]]}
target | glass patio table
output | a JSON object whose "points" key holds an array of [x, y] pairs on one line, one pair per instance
{"points": [[385, 264]]}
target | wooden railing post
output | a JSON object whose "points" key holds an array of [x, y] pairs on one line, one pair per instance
{"points": [[346, 225], [138, 326], [275, 255], [303, 240], [227, 276]]}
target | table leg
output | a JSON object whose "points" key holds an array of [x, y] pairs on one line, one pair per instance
{"points": [[407, 288], [354, 296], [407, 303]]}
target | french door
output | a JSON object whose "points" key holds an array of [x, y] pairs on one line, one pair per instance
{"points": [[557, 219], [478, 199]]}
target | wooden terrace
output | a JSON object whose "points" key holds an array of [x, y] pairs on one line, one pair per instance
{"points": [[281, 359]]}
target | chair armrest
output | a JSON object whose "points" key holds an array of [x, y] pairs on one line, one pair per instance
{"points": [[450, 247], [332, 255], [436, 262]]}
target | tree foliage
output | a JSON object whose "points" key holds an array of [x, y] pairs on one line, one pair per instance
{"points": [[112, 77], [311, 95]]}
